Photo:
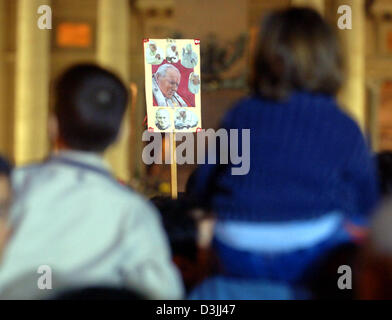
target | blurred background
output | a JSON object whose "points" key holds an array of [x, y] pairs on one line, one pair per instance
{"points": [[110, 32]]}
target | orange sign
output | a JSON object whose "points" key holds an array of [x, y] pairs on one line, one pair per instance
{"points": [[73, 35]]}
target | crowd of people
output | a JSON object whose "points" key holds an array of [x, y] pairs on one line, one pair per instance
{"points": [[315, 198]]}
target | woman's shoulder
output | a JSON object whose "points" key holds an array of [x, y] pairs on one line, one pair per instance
{"points": [[241, 111], [245, 104], [327, 113], [346, 122], [249, 102]]}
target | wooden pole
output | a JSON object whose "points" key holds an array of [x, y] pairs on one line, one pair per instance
{"points": [[133, 124], [173, 166]]}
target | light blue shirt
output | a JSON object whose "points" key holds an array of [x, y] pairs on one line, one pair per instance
{"points": [[71, 215], [222, 288]]}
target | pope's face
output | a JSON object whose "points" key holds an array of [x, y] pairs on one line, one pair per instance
{"points": [[153, 47], [169, 83], [173, 48], [195, 80], [163, 119]]}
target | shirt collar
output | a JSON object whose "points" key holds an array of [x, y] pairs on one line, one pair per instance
{"points": [[88, 158]]}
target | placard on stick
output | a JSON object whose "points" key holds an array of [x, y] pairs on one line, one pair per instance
{"points": [[172, 73], [173, 81]]}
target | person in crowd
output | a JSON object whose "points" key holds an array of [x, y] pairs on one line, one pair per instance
{"points": [[324, 282], [384, 160], [312, 178], [373, 267], [189, 229], [71, 217], [165, 83], [98, 293]]}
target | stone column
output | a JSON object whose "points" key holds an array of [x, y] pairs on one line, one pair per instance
{"points": [[113, 53], [4, 135], [353, 95], [31, 84]]}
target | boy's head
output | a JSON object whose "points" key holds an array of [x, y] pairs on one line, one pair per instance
{"points": [[90, 103]]}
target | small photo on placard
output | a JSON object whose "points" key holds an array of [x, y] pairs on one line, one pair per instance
{"points": [[185, 118], [163, 119]]}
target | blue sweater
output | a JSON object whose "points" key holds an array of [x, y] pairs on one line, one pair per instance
{"points": [[307, 157]]}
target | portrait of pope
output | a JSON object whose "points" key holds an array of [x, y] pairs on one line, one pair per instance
{"points": [[162, 119], [165, 83]]}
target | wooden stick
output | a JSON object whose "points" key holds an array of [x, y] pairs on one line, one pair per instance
{"points": [[173, 166]]}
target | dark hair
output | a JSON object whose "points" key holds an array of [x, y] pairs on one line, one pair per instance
{"points": [[321, 276], [179, 224], [99, 293], [297, 50], [384, 160], [5, 167], [90, 105]]}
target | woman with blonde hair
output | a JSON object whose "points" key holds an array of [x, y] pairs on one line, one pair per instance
{"points": [[311, 172]]}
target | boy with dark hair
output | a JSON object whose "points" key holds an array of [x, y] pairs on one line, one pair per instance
{"points": [[89, 107], [71, 215]]}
